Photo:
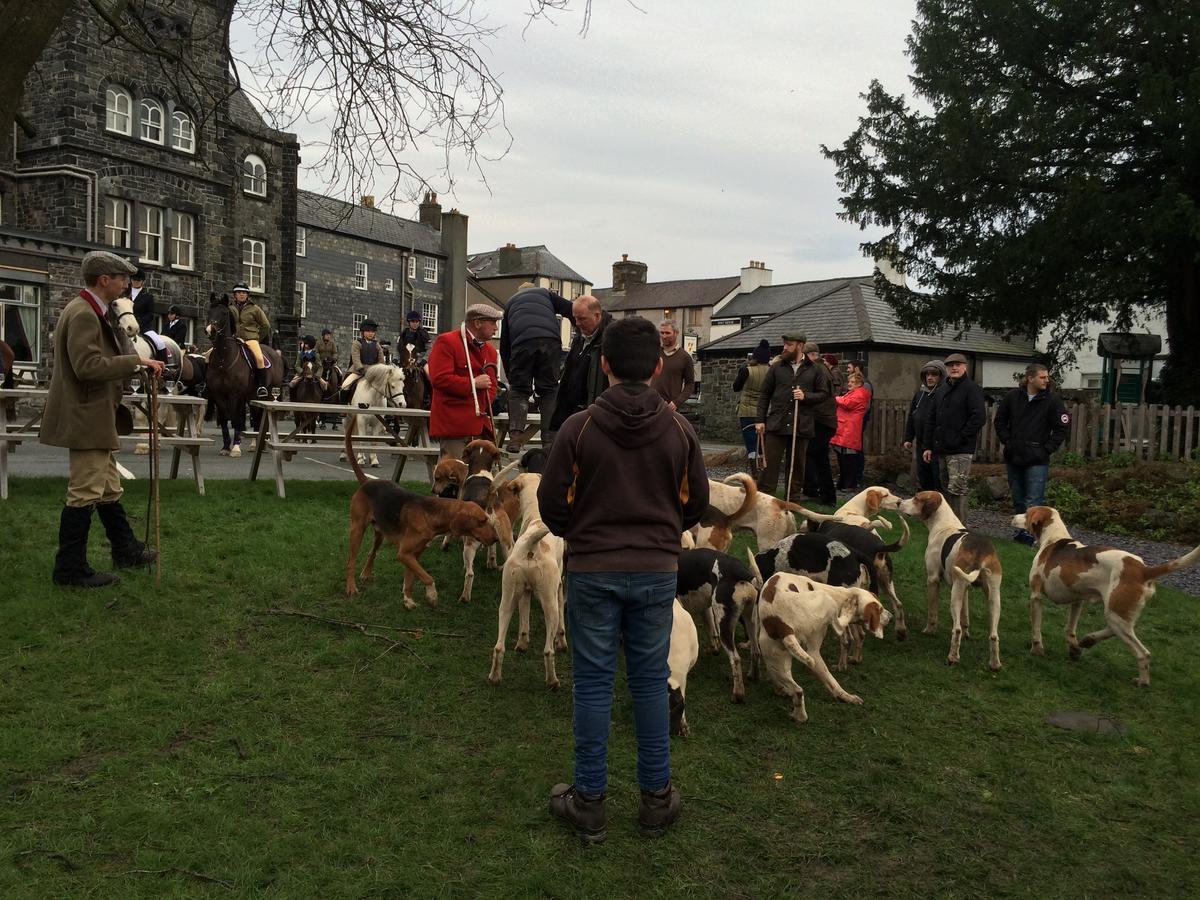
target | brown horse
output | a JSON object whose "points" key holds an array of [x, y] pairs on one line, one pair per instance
{"points": [[307, 390], [230, 376], [415, 390]]}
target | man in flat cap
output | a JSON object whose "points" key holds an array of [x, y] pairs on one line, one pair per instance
{"points": [[463, 372], [81, 415], [531, 349], [951, 432], [791, 393]]}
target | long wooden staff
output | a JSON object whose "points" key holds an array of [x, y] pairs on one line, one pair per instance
{"points": [[155, 474], [792, 455]]}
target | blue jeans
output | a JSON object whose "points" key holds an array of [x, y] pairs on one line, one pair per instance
{"points": [[1028, 485], [749, 434], [604, 610]]}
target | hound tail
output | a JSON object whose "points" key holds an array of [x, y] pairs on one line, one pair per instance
{"points": [[1182, 562], [358, 472], [528, 541], [971, 578], [751, 490], [758, 579], [898, 545]]}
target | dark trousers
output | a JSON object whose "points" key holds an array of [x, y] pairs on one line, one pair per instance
{"points": [[778, 447], [532, 366], [818, 473], [929, 476]]}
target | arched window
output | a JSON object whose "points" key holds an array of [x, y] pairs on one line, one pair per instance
{"points": [[117, 107], [150, 120], [183, 132], [254, 176]]}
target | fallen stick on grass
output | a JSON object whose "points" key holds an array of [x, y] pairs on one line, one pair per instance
{"points": [[359, 626]]}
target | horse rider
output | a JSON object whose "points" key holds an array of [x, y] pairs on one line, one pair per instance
{"points": [[364, 351], [414, 336], [176, 328], [143, 301], [327, 350], [250, 324], [308, 354]]}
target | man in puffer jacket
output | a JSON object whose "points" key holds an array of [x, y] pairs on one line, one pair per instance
{"points": [[1031, 423], [531, 350], [933, 373]]}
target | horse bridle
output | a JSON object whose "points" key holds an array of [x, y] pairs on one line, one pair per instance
{"points": [[129, 313]]}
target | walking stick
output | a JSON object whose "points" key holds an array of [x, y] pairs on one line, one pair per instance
{"points": [[155, 474], [792, 455]]}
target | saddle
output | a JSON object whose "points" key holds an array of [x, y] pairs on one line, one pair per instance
{"points": [[245, 348]]}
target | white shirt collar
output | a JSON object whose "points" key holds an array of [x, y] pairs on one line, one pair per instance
{"points": [[102, 304]]}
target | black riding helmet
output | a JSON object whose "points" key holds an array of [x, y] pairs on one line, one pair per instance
{"points": [[369, 325], [309, 341]]}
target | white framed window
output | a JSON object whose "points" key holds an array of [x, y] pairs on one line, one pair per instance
{"points": [[117, 213], [150, 121], [431, 269], [388, 284], [429, 316], [150, 234], [254, 176], [360, 275], [301, 240], [183, 132], [1092, 381], [20, 321], [302, 299], [254, 263], [183, 240], [118, 110], [359, 318], [412, 267]]}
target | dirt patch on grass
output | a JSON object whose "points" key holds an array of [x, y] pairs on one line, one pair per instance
{"points": [[85, 764], [186, 736]]}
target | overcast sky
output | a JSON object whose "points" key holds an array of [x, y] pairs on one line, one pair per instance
{"points": [[685, 134]]}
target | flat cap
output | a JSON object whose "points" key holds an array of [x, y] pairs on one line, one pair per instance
{"points": [[955, 358], [101, 262], [812, 347], [797, 336], [483, 311]]}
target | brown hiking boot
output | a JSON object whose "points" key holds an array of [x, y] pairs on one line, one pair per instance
{"points": [[659, 810], [583, 813]]}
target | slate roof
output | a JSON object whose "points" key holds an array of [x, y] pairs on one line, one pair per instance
{"points": [[668, 294], [329, 214], [767, 301], [852, 313], [535, 261]]}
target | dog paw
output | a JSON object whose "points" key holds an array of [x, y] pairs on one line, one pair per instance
{"points": [[560, 645], [901, 634], [410, 603], [1074, 651], [553, 685], [994, 665], [929, 629], [1037, 650], [952, 660], [853, 698], [521, 645], [1141, 682], [493, 679]]}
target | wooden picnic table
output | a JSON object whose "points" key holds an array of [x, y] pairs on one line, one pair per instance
{"points": [[279, 433], [14, 430]]}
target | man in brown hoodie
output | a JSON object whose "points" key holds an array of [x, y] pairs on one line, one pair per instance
{"points": [[625, 477]]}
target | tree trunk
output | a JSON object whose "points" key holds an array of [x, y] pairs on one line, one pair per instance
{"points": [[28, 28], [1181, 375]]}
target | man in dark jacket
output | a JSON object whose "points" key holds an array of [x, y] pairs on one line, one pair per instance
{"points": [[951, 432], [143, 301], [795, 384], [531, 348], [927, 476], [1031, 423], [818, 475], [624, 478], [582, 378]]}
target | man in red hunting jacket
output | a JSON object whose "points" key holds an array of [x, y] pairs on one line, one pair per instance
{"points": [[462, 370]]}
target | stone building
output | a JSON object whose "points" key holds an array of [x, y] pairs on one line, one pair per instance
{"points": [[354, 262], [199, 192], [499, 273]]}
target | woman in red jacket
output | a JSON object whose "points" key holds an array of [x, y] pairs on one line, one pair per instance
{"points": [[847, 443]]}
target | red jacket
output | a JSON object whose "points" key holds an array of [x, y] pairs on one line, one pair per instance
{"points": [[851, 408], [452, 414]]}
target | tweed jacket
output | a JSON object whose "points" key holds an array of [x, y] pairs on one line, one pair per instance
{"points": [[250, 322], [85, 390]]}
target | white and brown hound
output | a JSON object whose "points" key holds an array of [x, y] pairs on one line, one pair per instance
{"points": [[1067, 571]]}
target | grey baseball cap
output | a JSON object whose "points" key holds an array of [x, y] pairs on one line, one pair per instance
{"points": [[101, 262]]}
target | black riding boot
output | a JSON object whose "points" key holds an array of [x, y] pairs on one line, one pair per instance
{"points": [[127, 550], [260, 379], [71, 565], [518, 414]]}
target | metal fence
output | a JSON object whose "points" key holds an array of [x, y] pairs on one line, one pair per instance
{"points": [[1147, 431]]}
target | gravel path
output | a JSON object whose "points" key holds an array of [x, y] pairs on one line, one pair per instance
{"points": [[995, 523]]}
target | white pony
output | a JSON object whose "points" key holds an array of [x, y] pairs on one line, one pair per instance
{"points": [[381, 384], [127, 323]]}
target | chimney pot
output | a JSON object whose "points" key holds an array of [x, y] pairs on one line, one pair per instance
{"points": [[624, 257]]}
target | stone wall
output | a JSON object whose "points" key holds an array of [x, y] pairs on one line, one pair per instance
{"points": [[717, 418]]}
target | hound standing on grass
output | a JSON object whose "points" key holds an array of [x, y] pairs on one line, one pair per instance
{"points": [[1066, 571], [961, 559]]}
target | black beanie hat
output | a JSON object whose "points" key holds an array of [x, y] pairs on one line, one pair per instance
{"points": [[762, 353]]}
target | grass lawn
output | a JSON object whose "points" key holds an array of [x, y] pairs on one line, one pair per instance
{"points": [[174, 740]]}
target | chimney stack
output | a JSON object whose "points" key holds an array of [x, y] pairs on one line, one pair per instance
{"points": [[368, 200], [754, 275], [510, 259], [430, 211], [627, 273]]}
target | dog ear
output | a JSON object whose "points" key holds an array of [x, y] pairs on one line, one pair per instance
{"points": [[847, 609], [874, 501], [1036, 518]]}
